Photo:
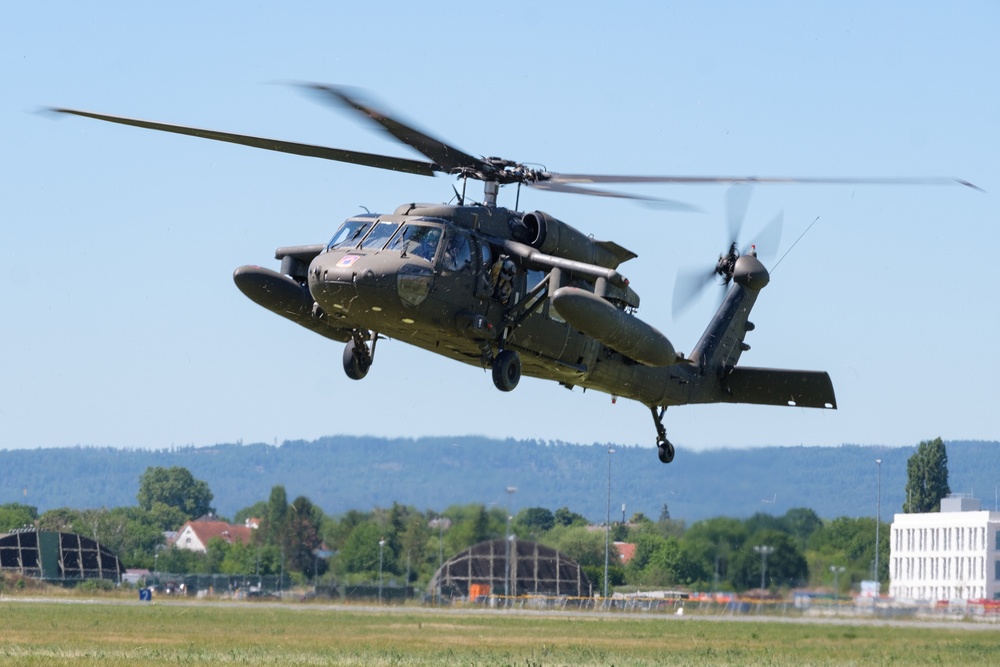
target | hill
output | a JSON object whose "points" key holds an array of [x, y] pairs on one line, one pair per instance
{"points": [[345, 472]]}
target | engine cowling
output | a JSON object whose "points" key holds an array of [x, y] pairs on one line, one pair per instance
{"points": [[556, 238]]}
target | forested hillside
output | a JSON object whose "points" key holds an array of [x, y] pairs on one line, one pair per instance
{"points": [[339, 473]]}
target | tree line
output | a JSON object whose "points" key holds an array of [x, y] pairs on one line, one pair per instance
{"points": [[408, 544], [297, 538], [340, 473]]}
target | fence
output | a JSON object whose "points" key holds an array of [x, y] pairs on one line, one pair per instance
{"points": [[218, 584]]}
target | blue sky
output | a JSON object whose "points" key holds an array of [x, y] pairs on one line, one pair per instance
{"points": [[122, 326]]}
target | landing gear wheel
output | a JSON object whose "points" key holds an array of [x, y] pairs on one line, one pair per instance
{"points": [[506, 370], [664, 449], [357, 359]]}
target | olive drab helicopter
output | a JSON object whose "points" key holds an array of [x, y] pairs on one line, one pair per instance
{"points": [[520, 293]]}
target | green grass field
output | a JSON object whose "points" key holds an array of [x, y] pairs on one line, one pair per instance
{"points": [[116, 633]]}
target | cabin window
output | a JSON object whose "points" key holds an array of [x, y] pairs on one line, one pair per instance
{"points": [[377, 237], [349, 234], [419, 240], [534, 278]]}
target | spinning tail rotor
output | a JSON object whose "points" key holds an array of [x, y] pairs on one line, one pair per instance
{"points": [[690, 284]]}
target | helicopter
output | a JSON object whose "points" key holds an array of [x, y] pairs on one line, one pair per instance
{"points": [[516, 292]]}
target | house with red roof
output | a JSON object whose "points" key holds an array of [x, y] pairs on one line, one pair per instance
{"points": [[626, 552], [195, 535]]}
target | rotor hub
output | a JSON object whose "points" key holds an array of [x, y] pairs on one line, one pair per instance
{"points": [[727, 263]]}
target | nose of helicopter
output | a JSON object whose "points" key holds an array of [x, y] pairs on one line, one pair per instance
{"points": [[359, 283]]}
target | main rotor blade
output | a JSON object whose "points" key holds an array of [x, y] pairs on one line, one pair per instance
{"points": [[308, 150], [695, 180], [575, 189], [444, 155]]}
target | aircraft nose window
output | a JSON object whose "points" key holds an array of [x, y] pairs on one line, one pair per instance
{"points": [[349, 234], [418, 240]]}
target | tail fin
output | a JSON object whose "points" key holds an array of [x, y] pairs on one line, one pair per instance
{"points": [[722, 343], [720, 347]]}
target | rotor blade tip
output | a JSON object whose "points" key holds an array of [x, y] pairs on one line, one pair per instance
{"points": [[50, 112], [668, 205], [967, 184]]}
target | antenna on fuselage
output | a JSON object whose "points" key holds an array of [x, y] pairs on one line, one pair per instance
{"points": [[794, 244]]}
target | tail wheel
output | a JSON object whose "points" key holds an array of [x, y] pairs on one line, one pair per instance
{"points": [[664, 448], [357, 360], [506, 370]]}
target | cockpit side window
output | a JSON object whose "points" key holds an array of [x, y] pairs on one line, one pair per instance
{"points": [[381, 233], [349, 234], [457, 253], [419, 240]]}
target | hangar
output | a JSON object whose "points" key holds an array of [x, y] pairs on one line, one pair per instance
{"points": [[57, 557], [535, 569]]}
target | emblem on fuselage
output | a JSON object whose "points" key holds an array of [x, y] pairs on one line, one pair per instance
{"points": [[348, 260]]}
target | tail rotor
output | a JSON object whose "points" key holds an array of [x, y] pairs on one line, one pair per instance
{"points": [[690, 284]]}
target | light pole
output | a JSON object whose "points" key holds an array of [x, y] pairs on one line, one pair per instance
{"points": [[511, 490], [440, 542], [607, 526], [406, 582], [381, 544], [836, 569], [763, 550], [878, 520], [511, 571], [440, 526]]}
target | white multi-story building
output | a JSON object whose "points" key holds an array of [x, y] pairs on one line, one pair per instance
{"points": [[949, 555]]}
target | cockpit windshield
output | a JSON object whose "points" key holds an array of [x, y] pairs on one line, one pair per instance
{"points": [[379, 235], [419, 240], [349, 234]]}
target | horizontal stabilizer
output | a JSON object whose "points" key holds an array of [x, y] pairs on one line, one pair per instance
{"points": [[768, 386]]}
